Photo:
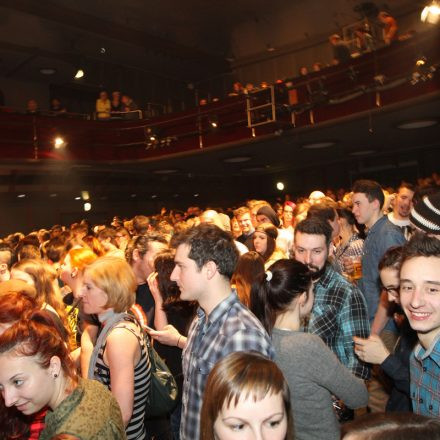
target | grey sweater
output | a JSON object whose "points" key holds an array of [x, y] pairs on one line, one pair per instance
{"points": [[314, 373]]}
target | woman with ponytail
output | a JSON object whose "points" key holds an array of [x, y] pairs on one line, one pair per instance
{"points": [[36, 371], [282, 298]]}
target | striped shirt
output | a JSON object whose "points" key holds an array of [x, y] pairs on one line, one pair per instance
{"points": [[230, 327], [425, 379], [135, 430]]}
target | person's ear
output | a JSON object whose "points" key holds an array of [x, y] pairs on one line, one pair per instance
{"points": [[55, 366], [136, 255], [302, 299], [74, 272], [211, 269]]}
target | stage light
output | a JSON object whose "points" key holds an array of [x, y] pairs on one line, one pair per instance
{"points": [[431, 13], [87, 206], [79, 74], [58, 142], [280, 186], [85, 195]]}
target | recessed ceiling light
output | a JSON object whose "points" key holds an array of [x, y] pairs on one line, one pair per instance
{"points": [[237, 159], [318, 145], [165, 171], [421, 123], [48, 70], [78, 198], [153, 196], [53, 195], [20, 196], [251, 169], [133, 195], [361, 152]]}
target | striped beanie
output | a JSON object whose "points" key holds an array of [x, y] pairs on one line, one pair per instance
{"points": [[426, 214]]}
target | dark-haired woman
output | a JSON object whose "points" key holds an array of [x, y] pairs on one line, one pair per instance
{"points": [[170, 310], [264, 242], [281, 299]]}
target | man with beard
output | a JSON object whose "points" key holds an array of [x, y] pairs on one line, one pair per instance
{"points": [[339, 310], [402, 208]]}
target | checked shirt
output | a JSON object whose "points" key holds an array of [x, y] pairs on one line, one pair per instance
{"points": [[339, 313], [425, 379], [230, 327]]}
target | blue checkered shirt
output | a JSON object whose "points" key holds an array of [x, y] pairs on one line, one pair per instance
{"points": [[425, 379], [230, 327], [339, 313]]}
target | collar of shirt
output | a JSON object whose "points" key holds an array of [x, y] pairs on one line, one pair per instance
{"points": [[218, 311], [327, 276], [433, 351], [377, 225]]}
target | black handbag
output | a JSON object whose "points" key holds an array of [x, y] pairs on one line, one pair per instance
{"points": [[163, 393]]}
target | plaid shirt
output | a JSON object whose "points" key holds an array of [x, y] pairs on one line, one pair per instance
{"points": [[339, 313], [230, 327], [425, 379]]}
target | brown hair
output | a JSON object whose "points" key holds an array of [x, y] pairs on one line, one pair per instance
{"points": [[250, 265], [247, 374]]}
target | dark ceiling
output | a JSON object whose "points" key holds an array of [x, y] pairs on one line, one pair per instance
{"points": [[185, 40]]}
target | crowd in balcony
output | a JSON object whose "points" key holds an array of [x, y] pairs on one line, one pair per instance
{"points": [[290, 291]]}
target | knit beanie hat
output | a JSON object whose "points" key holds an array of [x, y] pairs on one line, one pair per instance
{"points": [[270, 214], [426, 214]]}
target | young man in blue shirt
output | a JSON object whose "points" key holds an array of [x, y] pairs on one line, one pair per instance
{"points": [[420, 299]]}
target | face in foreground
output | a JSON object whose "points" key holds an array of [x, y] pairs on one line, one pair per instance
{"points": [[24, 383], [420, 296], [265, 419]]}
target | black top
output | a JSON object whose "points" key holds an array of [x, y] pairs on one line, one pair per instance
{"points": [[145, 299]]}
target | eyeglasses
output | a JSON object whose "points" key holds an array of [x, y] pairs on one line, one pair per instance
{"points": [[393, 291]]}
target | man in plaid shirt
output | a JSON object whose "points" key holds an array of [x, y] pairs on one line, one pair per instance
{"points": [[339, 310], [205, 261], [420, 300]]}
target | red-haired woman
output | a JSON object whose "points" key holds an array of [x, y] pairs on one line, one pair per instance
{"points": [[36, 371]]}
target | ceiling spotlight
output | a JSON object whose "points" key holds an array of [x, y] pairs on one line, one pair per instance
{"points": [[431, 13], [415, 124], [87, 206], [318, 145], [79, 74], [85, 195], [58, 142], [280, 186], [21, 196], [78, 198], [48, 70]]}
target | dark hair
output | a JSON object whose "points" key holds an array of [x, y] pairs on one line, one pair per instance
{"points": [[29, 251], [141, 224], [164, 265], [242, 374], [141, 244], [347, 214], [393, 426], [208, 242], [249, 266], [407, 185], [325, 211], [54, 250], [421, 245], [271, 233], [270, 297], [371, 189], [315, 226], [107, 233], [392, 258]]}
